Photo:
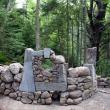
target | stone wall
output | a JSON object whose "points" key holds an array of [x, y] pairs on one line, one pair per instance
{"points": [[103, 82], [79, 86]]}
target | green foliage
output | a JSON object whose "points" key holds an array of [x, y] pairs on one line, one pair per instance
{"points": [[47, 64]]}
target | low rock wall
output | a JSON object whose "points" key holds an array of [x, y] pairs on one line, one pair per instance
{"points": [[79, 86], [103, 82]]}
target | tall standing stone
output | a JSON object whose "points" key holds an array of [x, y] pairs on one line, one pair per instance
{"points": [[27, 83]]}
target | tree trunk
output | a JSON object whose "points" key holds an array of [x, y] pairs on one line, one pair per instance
{"points": [[96, 25], [37, 25]]}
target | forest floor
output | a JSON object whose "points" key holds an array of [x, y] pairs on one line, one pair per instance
{"points": [[100, 101]]}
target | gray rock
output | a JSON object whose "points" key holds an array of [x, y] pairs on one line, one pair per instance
{"points": [[7, 76], [47, 73], [64, 94], [18, 98], [71, 87], [37, 94], [63, 101], [8, 86], [86, 94], [7, 92], [88, 79], [13, 95], [26, 100], [72, 81], [27, 95], [2, 87], [87, 85], [77, 101], [31, 96], [82, 71], [72, 73], [35, 102], [69, 101], [48, 101], [18, 77], [75, 94], [45, 95], [15, 86], [59, 59], [15, 68], [1, 69], [43, 101]]}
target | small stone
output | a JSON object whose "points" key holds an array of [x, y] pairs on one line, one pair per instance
{"points": [[47, 73], [19, 93], [13, 95], [18, 77], [35, 102], [15, 86], [39, 78], [72, 73], [88, 79], [77, 101], [72, 81], [1, 69], [48, 101], [75, 94], [26, 100], [43, 101], [64, 94], [62, 101], [37, 94], [2, 87], [8, 86], [31, 96], [7, 92], [18, 98], [45, 95], [39, 100], [86, 94], [6, 76], [69, 101], [71, 87], [87, 85], [15, 68]]}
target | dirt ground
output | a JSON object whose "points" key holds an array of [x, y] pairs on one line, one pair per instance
{"points": [[100, 101]]}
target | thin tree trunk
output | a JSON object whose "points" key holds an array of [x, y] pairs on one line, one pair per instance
{"points": [[37, 25]]}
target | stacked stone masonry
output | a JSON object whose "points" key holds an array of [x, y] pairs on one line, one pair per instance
{"points": [[103, 82], [79, 86]]}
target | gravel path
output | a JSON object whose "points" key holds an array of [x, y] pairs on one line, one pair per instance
{"points": [[100, 101]]}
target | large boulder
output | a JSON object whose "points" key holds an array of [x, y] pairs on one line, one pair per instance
{"points": [[83, 71], [72, 73], [59, 59], [75, 94], [7, 76], [15, 68]]}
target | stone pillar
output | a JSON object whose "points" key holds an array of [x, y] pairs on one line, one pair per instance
{"points": [[27, 83], [90, 63]]}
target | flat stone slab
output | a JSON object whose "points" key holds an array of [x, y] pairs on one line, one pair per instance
{"points": [[43, 86]]}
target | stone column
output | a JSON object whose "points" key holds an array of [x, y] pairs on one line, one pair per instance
{"points": [[90, 63], [27, 83]]}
